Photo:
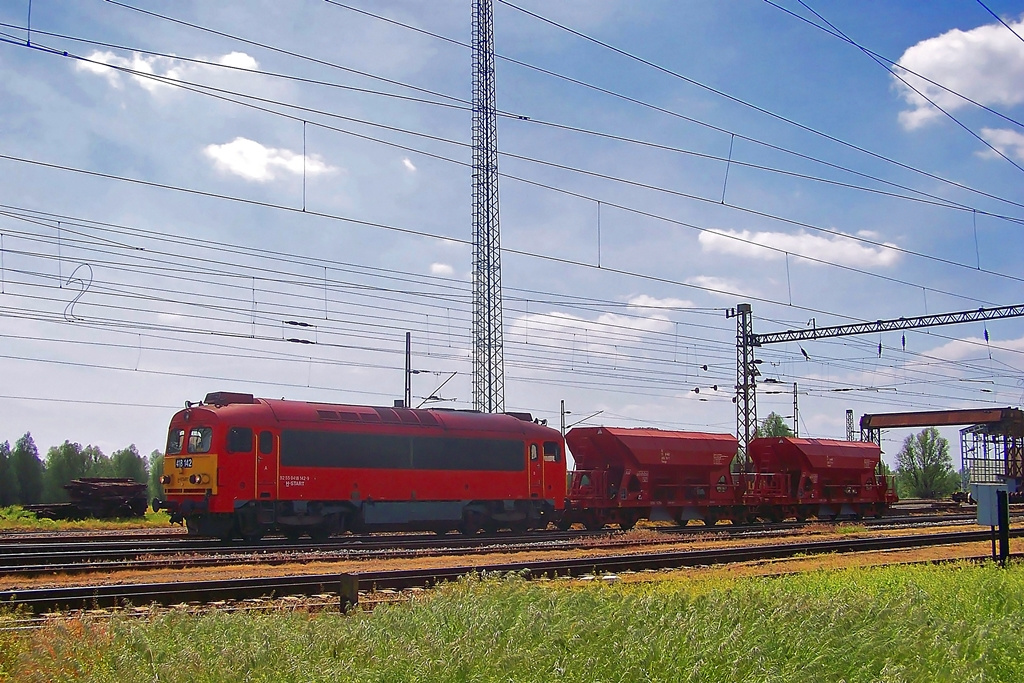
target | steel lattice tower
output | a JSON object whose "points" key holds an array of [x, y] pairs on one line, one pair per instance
{"points": [[488, 354]]}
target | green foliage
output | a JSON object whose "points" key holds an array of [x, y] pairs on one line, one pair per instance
{"points": [[922, 623], [8, 479], [28, 469], [774, 425], [924, 468], [16, 518], [70, 461], [156, 470], [128, 464]]}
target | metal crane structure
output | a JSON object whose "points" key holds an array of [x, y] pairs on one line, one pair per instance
{"points": [[488, 352], [991, 446], [747, 341]]}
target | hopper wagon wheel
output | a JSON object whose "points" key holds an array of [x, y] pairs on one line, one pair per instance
{"points": [[629, 520], [593, 523], [711, 519], [563, 524]]}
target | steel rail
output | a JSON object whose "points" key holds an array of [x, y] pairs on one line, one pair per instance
{"points": [[52, 558], [171, 593], [49, 561]]}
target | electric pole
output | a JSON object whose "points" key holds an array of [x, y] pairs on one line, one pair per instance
{"points": [[488, 353]]}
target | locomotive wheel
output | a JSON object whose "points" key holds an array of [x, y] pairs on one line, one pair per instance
{"points": [[292, 534], [593, 523], [710, 520], [319, 534], [563, 525], [470, 524]]}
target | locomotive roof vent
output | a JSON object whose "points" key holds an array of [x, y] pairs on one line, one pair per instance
{"points": [[226, 398], [525, 417]]}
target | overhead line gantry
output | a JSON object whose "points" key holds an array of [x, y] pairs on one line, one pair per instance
{"points": [[747, 341]]}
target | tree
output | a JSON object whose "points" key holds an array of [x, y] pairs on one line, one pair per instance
{"points": [[28, 469], [128, 464], [156, 470], [774, 425], [924, 468], [70, 461], [8, 479], [64, 463]]}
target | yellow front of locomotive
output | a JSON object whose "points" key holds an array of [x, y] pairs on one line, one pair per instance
{"points": [[190, 464]]}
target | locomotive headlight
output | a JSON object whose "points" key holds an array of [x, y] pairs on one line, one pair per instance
{"points": [[195, 479], [165, 479]]}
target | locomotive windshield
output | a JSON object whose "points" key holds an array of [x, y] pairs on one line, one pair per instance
{"points": [[175, 440], [199, 440]]}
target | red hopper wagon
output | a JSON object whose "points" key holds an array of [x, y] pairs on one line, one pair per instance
{"points": [[623, 475], [820, 478]]}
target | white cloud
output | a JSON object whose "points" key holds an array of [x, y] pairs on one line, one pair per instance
{"points": [[239, 60], [253, 161], [645, 301], [976, 347], [985, 64], [577, 335], [718, 285], [408, 164], [442, 269], [1009, 142], [165, 67], [832, 248]]}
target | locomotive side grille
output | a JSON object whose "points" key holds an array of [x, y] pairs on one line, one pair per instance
{"points": [[327, 415]]}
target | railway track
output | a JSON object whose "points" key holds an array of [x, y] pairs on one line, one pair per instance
{"points": [[47, 557], [347, 585]]}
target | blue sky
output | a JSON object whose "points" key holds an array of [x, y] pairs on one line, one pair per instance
{"points": [[158, 241]]}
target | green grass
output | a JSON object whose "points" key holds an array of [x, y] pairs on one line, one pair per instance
{"points": [[956, 623], [14, 518]]}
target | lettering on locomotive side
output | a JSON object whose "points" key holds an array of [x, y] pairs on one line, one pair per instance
{"points": [[182, 463], [290, 480]]}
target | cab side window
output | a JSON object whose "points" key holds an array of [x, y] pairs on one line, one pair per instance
{"points": [[552, 453], [240, 440], [266, 443]]}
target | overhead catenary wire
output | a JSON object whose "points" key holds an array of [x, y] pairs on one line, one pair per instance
{"points": [[616, 303], [185, 85]]}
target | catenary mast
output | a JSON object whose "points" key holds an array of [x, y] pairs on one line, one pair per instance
{"points": [[488, 354]]}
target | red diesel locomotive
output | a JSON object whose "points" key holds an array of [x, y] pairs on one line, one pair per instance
{"points": [[237, 465]]}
